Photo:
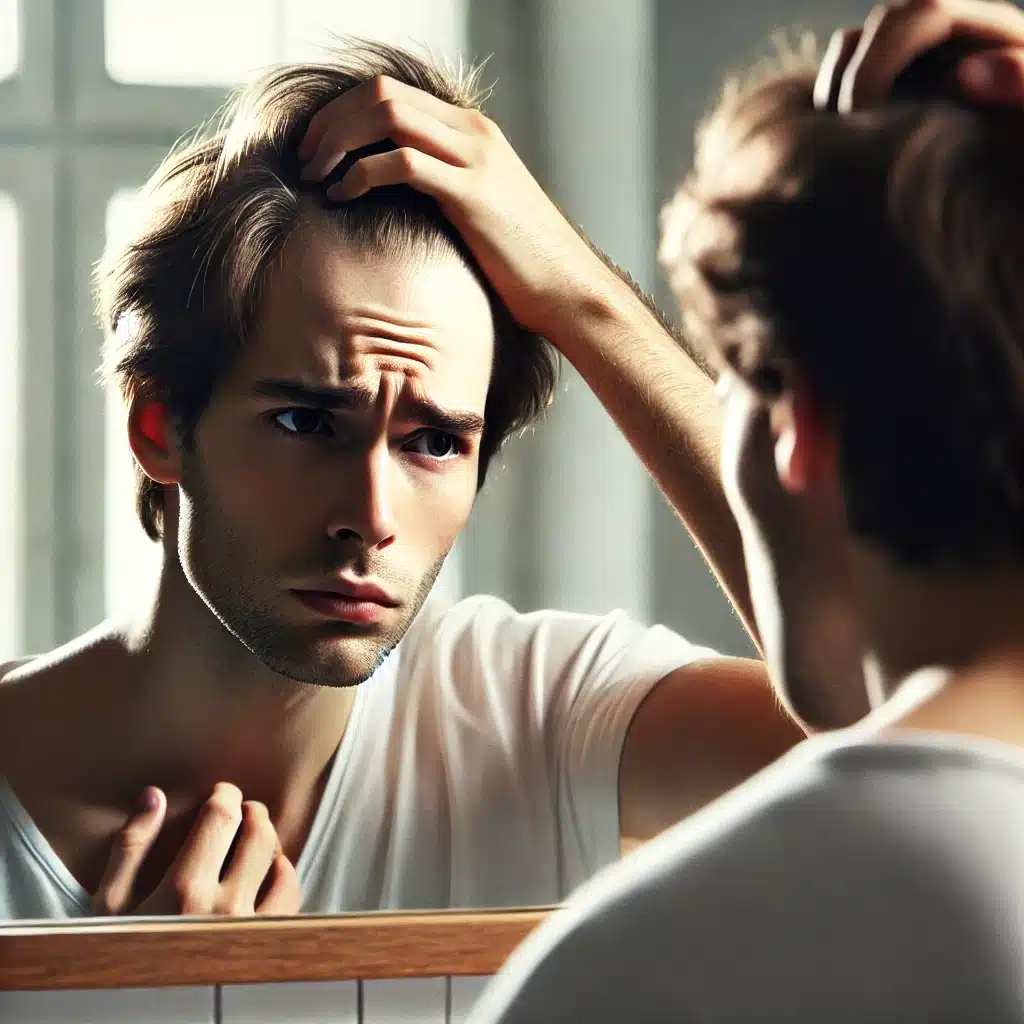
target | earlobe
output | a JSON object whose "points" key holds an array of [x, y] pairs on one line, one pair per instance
{"points": [[149, 435], [805, 450], [789, 459]]}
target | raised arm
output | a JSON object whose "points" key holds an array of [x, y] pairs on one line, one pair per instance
{"points": [[553, 283]]}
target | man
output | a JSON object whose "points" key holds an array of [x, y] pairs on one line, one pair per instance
{"points": [[319, 362], [857, 266]]}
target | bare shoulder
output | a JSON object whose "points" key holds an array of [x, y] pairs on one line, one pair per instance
{"points": [[38, 693]]}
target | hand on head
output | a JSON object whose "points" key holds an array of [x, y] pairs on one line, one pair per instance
{"points": [[529, 252], [861, 65], [230, 864]]}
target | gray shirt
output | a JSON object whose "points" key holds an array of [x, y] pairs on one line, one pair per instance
{"points": [[852, 881]]}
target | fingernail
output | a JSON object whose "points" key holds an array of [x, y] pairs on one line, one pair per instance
{"points": [[150, 799], [978, 73]]}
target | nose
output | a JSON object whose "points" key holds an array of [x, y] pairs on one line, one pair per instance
{"points": [[364, 510]]}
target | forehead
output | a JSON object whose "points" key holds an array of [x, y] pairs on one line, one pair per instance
{"points": [[333, 312]]}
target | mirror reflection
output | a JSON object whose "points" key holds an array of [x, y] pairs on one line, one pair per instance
{"points": [[334, 578]]}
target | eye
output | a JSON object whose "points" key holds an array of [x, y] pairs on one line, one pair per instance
{"points": [[436, 444], [304, 421]]}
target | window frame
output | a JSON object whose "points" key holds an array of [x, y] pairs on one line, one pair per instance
{"points": [[27, 175]]}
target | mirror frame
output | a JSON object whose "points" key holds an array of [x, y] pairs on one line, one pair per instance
{"points": [[97, 953]]}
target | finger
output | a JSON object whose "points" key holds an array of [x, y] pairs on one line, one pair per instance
{"points": [[199, 863], [368, 94], [894, 37], [131, 845], [399, 167], [257, 848], [840, 49], [404, 123], [282, 893], [994, 77]]}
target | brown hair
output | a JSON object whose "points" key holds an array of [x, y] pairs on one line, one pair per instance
{"points": [[881, 256], [180, 295]]}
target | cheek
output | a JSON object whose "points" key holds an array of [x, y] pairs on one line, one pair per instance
{"points": [[431, 509]]}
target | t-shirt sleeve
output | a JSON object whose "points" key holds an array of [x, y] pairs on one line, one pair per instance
{"points": [[567, 687]]}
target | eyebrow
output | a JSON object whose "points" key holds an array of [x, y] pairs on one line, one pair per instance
{"points": [[355, 398]]}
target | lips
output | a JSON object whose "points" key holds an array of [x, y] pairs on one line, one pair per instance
{"points": [[347, 600], [352, 590]]}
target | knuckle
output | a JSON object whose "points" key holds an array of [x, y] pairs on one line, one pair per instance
{"points": [[391, 110], [192, 896], [131, 838], [232, 905], [408, 159], [224, 807], [256, 819], [480, 123], [380, 87], [219, 813]]}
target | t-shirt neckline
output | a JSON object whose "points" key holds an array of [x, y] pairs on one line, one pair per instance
{"points": [[43, 853]]}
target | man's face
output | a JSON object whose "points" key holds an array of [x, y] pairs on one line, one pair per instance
{"points": [[798, 554], [340, 453]]}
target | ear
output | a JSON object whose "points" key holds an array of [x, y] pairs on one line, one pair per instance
{"points": [[151, 436], [805, 443]]}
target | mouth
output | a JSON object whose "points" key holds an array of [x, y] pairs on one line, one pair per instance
{"points": [[347, 600]]}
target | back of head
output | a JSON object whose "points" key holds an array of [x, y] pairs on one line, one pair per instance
{"points": [[180, 295], [880, 255]]}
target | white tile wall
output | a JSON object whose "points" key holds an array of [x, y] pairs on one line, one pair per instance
{"points": [[405, 1001], [328, 1002], [110, 1006], [390, 1001], [464, 993]]}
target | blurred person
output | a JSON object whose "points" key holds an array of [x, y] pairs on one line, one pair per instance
{"points": [[855, 263], [324, 330]]}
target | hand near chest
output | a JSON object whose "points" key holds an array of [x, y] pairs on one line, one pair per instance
{"points": [[230, 862]]}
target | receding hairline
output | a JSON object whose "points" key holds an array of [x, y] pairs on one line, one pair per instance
{"points": [[316, 227]]}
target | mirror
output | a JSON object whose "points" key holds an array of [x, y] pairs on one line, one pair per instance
{"points": [[469, 770]]}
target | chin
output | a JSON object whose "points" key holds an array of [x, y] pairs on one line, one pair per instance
{"points": [[331, 661]]}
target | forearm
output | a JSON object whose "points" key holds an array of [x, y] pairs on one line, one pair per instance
{"points": [[664, 404]]}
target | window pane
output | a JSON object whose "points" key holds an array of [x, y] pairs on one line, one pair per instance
{"points": [[189, 42], [308, 25], [10, 38], [184, 43], [132, 560], [12, 537]]}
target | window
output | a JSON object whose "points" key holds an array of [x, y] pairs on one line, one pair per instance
{"points": [[10, 38], [131, 559], [139, 76], [11, 532], [184, 43]]}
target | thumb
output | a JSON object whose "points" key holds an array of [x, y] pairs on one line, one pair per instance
{"points": [[995, 76], [130, 846]]}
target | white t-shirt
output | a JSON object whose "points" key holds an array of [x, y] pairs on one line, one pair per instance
{"points": [[854, 880], [479, 768]]}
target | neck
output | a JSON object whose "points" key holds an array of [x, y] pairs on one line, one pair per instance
{"points": [[195, 707], [948, 649]]}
